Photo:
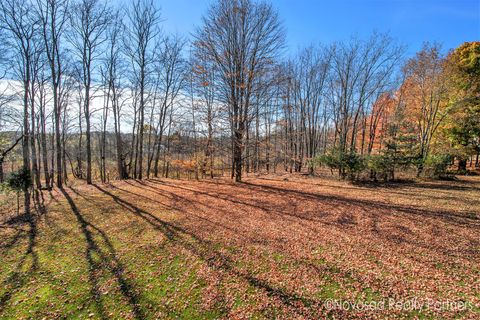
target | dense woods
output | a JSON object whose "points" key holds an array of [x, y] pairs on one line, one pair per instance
{"points": [[90, 91]]}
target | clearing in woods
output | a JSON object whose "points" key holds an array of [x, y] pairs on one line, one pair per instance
{"points": [[266, 248]]}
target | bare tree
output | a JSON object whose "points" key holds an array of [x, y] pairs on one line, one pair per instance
{"points": [[170, 73], [41, 101], [21, 25], [113, 66], [141, 31], [89, 20], [425, 93], [204, 75], [362, 70], [53, 18], [243, 39], [311, 74]]}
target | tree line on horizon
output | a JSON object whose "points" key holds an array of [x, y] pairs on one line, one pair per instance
{"points": [[96, 91]]}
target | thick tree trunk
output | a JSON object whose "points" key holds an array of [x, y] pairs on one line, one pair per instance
{"points": [[237, 156]]}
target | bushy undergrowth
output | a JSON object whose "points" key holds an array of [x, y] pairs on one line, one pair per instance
{"points": [[383, 166]]}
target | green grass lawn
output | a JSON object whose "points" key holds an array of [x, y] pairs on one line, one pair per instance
{"points": [[80, 261]]}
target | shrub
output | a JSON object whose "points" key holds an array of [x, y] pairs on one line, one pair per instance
{"points": [[382, 166], [328, 160], [19, 180], [437, 165], [348, 163], [353, 163]]}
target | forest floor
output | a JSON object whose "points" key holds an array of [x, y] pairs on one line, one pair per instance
{"points": [[266, 248]]}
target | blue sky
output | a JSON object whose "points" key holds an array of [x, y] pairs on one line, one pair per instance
{"points": [[450, 22]]}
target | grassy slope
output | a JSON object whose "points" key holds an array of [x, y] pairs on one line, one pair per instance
{"points": [[265, 249]]}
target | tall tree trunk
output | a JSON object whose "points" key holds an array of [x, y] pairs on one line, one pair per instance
{"points": [[25, 147], [35, 171], [43, 138], [237, 155], [58, 136], [80, 144], [88, 135], [118, 143], [141, 124]]}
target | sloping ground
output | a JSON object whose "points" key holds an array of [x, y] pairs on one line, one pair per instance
{"points": [[267, 248]]}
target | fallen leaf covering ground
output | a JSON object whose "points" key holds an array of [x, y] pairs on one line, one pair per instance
{"points": [[266, 248]]}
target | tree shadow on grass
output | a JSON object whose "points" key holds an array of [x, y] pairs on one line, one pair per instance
{"points": [[109, 261], [19, 235], [206, 251], [414, 186], [18, 278], [470, 220], [266, 206], [373, 210]]}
